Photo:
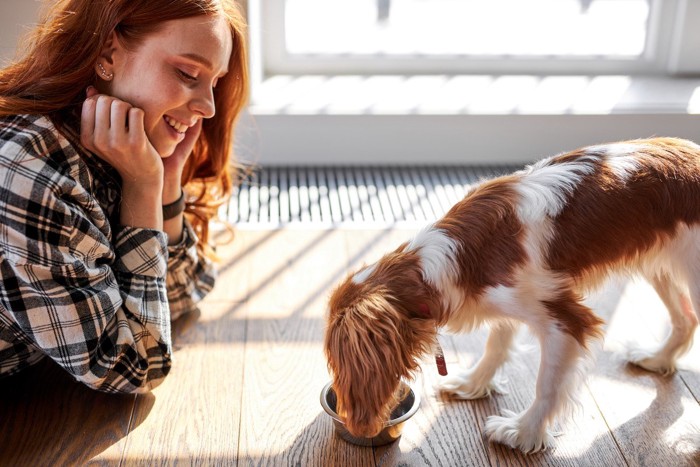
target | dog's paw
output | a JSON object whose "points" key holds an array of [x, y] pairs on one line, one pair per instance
{"points": [[511, 431], [651, 361], [467, 385]]}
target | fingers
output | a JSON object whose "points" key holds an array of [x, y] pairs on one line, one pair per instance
{"points": [[114, 130], [108, 114], [87, 123], [135, 121], [108, 123], [184, 148], [193, 132], [118, 111], [87, 118]]}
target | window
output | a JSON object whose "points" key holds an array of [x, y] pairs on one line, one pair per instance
{"points": [[455, 81], [478, 36]]}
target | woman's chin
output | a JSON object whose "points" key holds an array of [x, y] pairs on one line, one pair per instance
{"points": [[165, 150]]}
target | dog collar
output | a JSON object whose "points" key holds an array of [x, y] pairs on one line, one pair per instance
{"points": [[424, 310]]}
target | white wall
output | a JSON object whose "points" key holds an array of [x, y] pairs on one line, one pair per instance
{"points": [[441, 139]]}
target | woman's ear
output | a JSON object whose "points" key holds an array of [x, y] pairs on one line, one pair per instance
{"points": [[109, 58]]}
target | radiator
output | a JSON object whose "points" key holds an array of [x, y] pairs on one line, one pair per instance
{"points": [[273, 197]]}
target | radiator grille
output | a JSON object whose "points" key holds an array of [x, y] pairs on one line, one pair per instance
{"points": [[351, 196]]}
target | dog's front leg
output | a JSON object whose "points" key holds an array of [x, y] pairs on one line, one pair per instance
{"points": [[479, 381], [558, 377]]}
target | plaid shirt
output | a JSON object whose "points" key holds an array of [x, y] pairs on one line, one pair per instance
{"points": [[94, 296]]}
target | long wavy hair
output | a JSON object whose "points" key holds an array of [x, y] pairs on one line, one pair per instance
{"points": [[58, 65]]}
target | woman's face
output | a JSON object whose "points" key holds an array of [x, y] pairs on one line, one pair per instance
{"points": [[171, 76]]}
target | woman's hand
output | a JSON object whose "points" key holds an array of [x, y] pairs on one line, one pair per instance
{"points": [[114, 130], [175, 164], [172, 182]]}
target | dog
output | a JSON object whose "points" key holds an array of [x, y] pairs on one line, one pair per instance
{"points": [[524, 248]]}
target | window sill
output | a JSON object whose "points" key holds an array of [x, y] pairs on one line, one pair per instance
{"points": [[345, 120]]}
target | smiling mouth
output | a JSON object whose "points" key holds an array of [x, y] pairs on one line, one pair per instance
{"points": [[176, 125]]}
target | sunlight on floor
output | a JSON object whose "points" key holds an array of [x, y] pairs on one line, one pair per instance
{"points": [[641, 320]]}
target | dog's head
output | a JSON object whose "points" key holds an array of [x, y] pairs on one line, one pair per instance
{"points": [[377, 330]]}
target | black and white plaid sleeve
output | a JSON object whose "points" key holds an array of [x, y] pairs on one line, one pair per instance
{"points": [[90, 296], [191, 275]]}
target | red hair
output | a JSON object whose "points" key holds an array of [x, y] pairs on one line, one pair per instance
{"points": [[51, 78]]}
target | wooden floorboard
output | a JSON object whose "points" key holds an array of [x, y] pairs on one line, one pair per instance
{"points": [[197, 410], [651, 416], [285, 369], [248, 373], [48, 419]]}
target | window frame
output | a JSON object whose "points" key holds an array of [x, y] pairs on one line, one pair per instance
{"points": [[668, 51]]}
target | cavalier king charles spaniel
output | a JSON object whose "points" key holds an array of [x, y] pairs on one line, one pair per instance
{"points": [[524, 248]]}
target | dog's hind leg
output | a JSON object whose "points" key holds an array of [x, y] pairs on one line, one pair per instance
{"points": [[683, 323], [480, 380]]}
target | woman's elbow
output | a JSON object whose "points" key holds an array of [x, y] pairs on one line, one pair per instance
{"points": [[128, 375]]}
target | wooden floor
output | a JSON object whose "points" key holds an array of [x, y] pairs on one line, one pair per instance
{"points": [[248, 372]]}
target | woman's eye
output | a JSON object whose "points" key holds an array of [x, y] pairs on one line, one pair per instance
{"points": [[186, 76]]}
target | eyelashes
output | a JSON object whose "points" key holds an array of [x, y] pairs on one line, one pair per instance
{"points": [[186, 77], [189, 79]]}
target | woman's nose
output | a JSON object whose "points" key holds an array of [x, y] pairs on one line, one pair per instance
{"points": [[203, 103]]}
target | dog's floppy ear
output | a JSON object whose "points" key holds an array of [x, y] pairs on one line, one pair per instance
{"points": [[362, 358], [371, 344]]}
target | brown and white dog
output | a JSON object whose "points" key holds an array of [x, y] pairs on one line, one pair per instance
{"points": [[523, 248]]}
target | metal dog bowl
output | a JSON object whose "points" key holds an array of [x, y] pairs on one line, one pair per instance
{"points": [[392, 428]]}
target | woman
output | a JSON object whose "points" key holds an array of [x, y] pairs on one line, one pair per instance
{"points": [[119, 117]]}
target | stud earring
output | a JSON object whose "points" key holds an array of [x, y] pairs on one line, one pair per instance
{"points": [[103, 72]]}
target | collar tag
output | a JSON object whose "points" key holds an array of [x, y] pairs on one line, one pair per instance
{"points": [[424, 310], [440, 359]]}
